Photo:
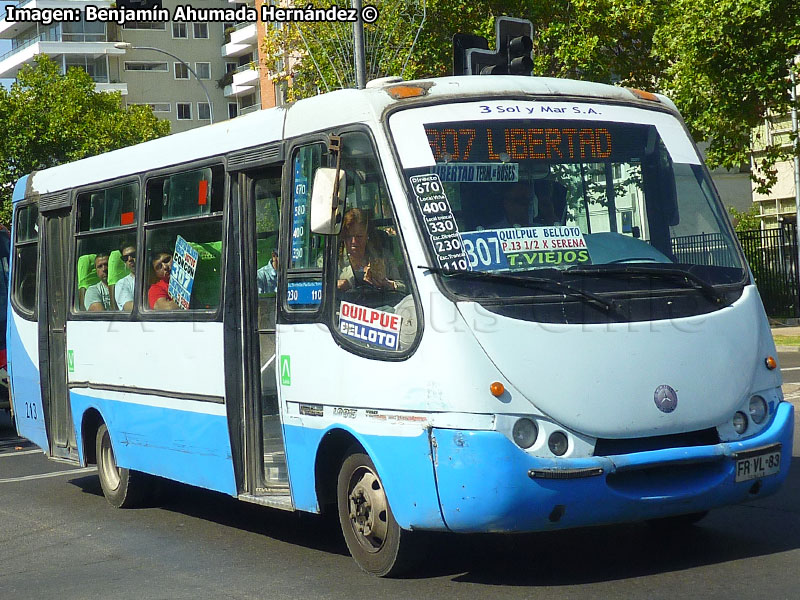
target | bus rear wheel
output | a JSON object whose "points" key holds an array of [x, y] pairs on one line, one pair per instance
{"points": [[373, 537], [122, 488]]}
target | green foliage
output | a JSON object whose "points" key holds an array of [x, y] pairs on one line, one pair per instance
{"points": [[723, 62], [47, 118], [745, 220], [727, 71]]}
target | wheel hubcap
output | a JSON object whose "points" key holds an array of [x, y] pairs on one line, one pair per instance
{"points": [[109, 464], [368, 509]]}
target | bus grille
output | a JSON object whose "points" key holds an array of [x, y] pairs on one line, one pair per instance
{"points": [[703, 437]]}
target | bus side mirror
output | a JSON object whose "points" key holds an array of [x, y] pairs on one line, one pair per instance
{"points": [[327, 199]]}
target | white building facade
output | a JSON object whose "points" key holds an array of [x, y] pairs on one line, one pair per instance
{"points": [[114, 56]]}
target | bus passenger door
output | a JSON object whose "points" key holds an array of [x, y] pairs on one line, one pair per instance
{"points": [[52, 334], [263, 193]]}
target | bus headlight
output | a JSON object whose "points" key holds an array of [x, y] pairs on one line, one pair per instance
{"points": [[525, 433], [740, 422], [758, 409], [558, 443]]}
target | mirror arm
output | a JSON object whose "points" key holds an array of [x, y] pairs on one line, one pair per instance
{"points": [[335, 147]]}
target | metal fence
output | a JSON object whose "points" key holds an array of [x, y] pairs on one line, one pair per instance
{"points": [[772, 254], [713, 249]]}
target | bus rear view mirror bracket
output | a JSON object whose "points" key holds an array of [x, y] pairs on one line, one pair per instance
{"points": [[328, 193]]}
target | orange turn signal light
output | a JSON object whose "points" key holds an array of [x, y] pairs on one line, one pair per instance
{"points": [[399, 92], [497, 389], [771, 363], [644, 95]]}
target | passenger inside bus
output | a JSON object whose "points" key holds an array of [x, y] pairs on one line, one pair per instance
{"points": [[520, 211], [98, 296], [365, 256], [516, 207], [123, 290], [551, 199], [158, 294], [267, 276]]}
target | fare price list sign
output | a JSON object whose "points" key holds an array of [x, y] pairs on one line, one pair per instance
{"points": [[300, 210], [181, 276], [525, 248], [439, 222]]}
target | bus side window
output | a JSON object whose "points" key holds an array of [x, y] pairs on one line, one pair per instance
{"points": [[267, 195], [306, 249], [107, 219], [26, 249], [194, 200], [373, 306]]}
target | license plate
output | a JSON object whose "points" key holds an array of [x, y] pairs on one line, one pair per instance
{"points": [[761, 465]]}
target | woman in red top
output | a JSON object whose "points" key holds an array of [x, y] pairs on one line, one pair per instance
{"points": [[157, 295]]}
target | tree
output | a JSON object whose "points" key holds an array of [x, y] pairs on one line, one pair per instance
{"points": [[723, 62], [47, 118], [745, 220], [727, 71]]}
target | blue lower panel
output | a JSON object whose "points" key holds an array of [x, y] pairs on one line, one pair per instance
{"points": [[190, 447], [484, 484], [26, 390], [403, 464]]}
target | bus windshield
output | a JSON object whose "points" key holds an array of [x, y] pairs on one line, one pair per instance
{"points": [[566, 191]]}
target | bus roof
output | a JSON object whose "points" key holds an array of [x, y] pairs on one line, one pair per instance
{"points": [[312, 114]]}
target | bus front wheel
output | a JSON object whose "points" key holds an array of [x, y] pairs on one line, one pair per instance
{"points": [[122, 488], [373, 537]]}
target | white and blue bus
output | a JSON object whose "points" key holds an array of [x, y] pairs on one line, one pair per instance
{"points": [[469, 304]]}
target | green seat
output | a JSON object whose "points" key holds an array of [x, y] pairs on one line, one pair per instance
{"points": [[116, 268], [208, 275], [87, 274]]}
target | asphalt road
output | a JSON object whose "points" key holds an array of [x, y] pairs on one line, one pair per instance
{"points": [[790, 366], [60, 539]]}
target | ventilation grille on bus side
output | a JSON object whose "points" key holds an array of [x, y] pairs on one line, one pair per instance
{"points": [[704, 437], [53, 201], [255, 157]]}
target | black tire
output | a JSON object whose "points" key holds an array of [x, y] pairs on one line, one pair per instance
{"points": [[373, 537], [677, 521], [123, 488]]}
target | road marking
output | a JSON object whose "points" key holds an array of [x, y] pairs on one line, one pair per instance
{"points": [[47, 475], [21, 453], [791, 369]]}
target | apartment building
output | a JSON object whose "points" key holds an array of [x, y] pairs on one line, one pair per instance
{"points": [[779, 205], [247, 83], [115, 57]]}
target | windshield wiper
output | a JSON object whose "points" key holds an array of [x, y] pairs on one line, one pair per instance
{"points": [[695, 282], [533, 282]]}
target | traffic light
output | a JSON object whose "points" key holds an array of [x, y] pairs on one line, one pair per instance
{"points": [[515, 37], [462, 43], [471, 54]]}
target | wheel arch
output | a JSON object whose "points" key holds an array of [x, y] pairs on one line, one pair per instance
{"points": [[403, 464], [90, 423], [331, 452]]}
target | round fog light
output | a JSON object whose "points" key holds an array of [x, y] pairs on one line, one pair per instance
{"points": [[758, 409], [525, 432], [558, 443], [740, 423]]}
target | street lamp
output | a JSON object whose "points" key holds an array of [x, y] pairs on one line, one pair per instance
{"points": [[129, 46]]}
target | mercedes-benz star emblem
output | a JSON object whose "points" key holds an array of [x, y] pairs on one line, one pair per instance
{"points": [[666, 398]]}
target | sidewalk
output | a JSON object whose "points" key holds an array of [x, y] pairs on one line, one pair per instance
{"points": [[793, 330]]}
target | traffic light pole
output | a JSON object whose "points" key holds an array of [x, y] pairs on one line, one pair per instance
{"points": [[358, 48]]}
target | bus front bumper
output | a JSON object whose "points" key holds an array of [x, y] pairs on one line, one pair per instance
{"points": [[487, 484]]}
